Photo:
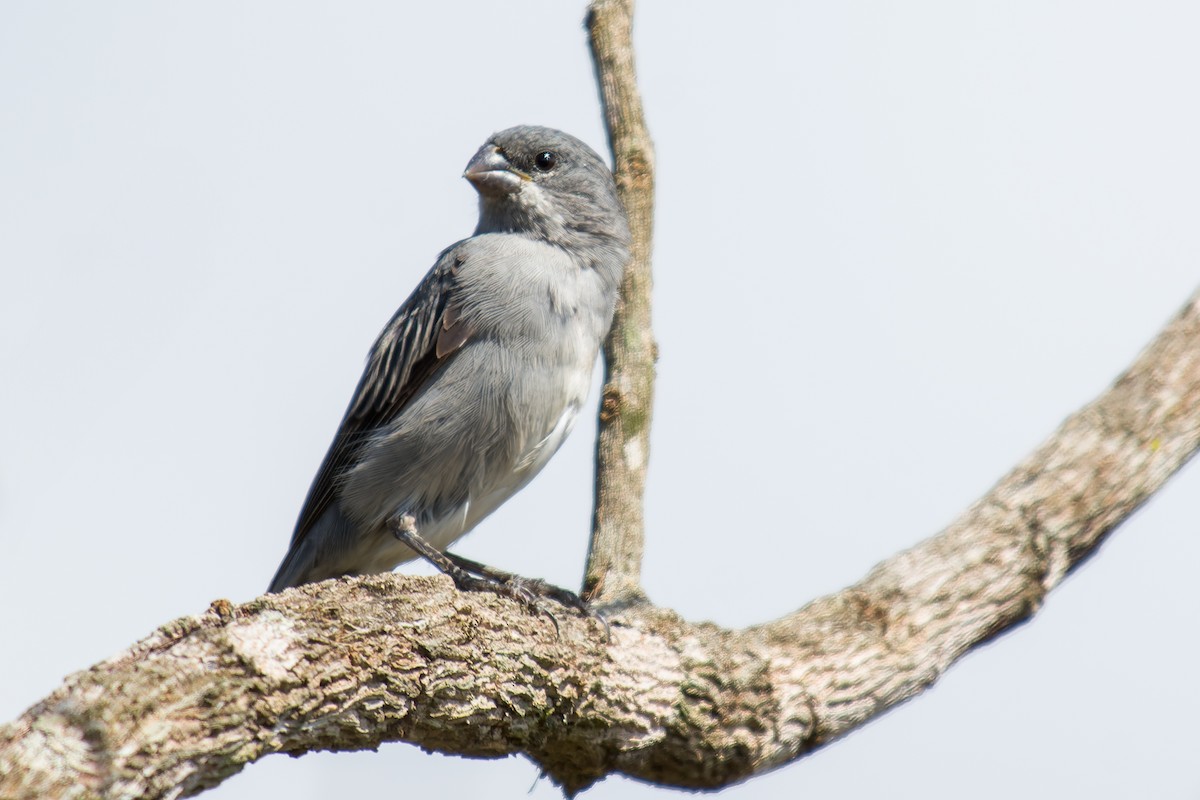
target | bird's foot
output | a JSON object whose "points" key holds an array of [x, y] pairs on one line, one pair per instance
{"points": [[531, 592], [471, 576]]}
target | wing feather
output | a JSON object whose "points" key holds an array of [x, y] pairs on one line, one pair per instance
{"points": [[426, 331]]}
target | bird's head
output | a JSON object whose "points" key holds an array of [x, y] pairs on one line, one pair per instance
{"points": [[548, 184]]}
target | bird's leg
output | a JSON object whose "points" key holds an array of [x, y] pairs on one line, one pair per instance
{"points": [[404, 528], [471, 576], [536, 586]]}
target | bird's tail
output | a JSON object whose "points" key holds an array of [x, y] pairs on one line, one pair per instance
{"points": [[324, 550], [296, 566]]}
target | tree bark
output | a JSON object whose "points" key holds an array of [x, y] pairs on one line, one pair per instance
{"points": [[614, 563], [354, 663]]}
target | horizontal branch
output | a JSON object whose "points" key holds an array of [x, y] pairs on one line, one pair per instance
{"points": [[354, 663]]}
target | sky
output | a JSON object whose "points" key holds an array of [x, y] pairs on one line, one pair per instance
{"points": [[896, 245]]}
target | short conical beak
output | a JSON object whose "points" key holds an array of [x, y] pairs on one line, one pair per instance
{"points": [[490, 173]]}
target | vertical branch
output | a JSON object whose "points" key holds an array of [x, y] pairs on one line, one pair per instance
{"points": [[623, 444]]}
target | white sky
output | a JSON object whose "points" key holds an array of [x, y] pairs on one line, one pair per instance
{"points": [[897, 244]]}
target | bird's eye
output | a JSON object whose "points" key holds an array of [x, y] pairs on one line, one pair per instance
{"points": [[545, 161]]}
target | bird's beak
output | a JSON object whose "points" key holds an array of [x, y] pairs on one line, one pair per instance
{"points": [[490, 173]]}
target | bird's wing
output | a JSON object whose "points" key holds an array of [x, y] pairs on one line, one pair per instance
{"points": [[422, 335]]}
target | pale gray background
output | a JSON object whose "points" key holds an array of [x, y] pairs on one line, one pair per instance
{"points": [[897, 244]]}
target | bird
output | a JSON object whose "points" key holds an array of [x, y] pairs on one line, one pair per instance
{"points": [[477, 379]]}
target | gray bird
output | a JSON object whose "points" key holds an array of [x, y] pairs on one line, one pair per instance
{"points": [[476, 381]]}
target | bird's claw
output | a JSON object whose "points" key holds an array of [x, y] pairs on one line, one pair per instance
{"points": [[531, 593]]}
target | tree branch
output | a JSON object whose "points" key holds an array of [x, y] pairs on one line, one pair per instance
{"points": [[614, 563], [354, 663], [351, 664]]}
